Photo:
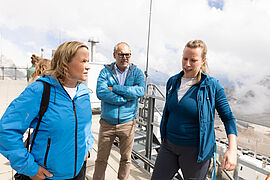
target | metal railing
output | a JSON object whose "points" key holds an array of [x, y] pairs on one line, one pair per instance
{"points": [[12, 72]]}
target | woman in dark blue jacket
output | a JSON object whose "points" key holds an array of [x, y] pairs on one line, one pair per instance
{"points": [[64, 139], [187, 125]]}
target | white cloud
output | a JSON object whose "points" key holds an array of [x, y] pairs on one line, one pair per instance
{"points": [[30, 43], [12, 51], [237, 37]]}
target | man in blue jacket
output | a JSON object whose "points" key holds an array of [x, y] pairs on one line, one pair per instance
{"points": [[119, 87]]}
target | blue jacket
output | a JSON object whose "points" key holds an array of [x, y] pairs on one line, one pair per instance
{"points": [[210, 96], [120, 105], [64, 136]]}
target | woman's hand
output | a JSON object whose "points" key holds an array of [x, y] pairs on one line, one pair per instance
{"points": [[229, 160], [42, 173], [230, 157]]}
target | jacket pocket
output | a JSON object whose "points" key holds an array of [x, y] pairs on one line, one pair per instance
{"points": [[47, 151]]}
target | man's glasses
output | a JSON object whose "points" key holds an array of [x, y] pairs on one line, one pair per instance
{"points": [[127, 55]]}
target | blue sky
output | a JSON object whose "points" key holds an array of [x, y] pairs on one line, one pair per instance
{"points": [[219, 4]]}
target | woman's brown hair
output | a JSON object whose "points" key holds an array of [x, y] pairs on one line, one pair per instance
{"points": [[62, 56]]}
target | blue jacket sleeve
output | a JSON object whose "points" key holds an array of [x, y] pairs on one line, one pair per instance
{"points": [[224, 111], [15, 121], [90, 138], [104, 94], [132, 92], [89, 134]]}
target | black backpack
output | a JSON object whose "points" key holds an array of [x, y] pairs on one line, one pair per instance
{"points": [[43, 108]]}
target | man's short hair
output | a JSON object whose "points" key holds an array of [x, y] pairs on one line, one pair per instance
{"points": [[116, 46]]}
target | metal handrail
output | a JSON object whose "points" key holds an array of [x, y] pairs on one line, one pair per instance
{"points": [[155, 88], [265, 124], [227, 174], [157, 110], [260, 170], [143, 159], [14, 73]]}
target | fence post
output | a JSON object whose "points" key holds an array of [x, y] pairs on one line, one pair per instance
{"points": [[3, 69], [15, 73]]}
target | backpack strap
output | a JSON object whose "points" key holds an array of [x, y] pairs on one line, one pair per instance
{"points": [[43, 108], [28, 140]]}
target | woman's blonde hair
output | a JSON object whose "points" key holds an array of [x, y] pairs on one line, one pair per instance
{"points": [[202, 45], [41, 67], [62, 56]]}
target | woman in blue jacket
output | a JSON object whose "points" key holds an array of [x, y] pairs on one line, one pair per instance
{"points": [[187, 125], [64, 139]]}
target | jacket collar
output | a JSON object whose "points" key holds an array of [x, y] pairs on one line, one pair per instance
{"points": [[203, 81], [82, 89], [112, 69]]}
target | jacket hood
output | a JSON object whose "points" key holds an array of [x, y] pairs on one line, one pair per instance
{"points": [[49, 79]]}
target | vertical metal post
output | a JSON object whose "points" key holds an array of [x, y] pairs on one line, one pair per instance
{"points": [[42, 52], [149, 132], [15, 73], [93, 43], [3, 69], [92, 51], [235, 173]]}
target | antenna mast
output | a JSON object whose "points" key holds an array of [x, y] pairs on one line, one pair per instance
{"points": [[148, 42]]}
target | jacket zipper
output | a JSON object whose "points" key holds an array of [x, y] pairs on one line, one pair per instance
{"points": [[47, 151], [76, 127]]}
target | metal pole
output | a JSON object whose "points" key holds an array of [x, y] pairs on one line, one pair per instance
{"points": [[93, 43], [3, 74], [92, 52], [15, 73], [235, 173], [149, 128], [148, 43], [42, 52]]}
